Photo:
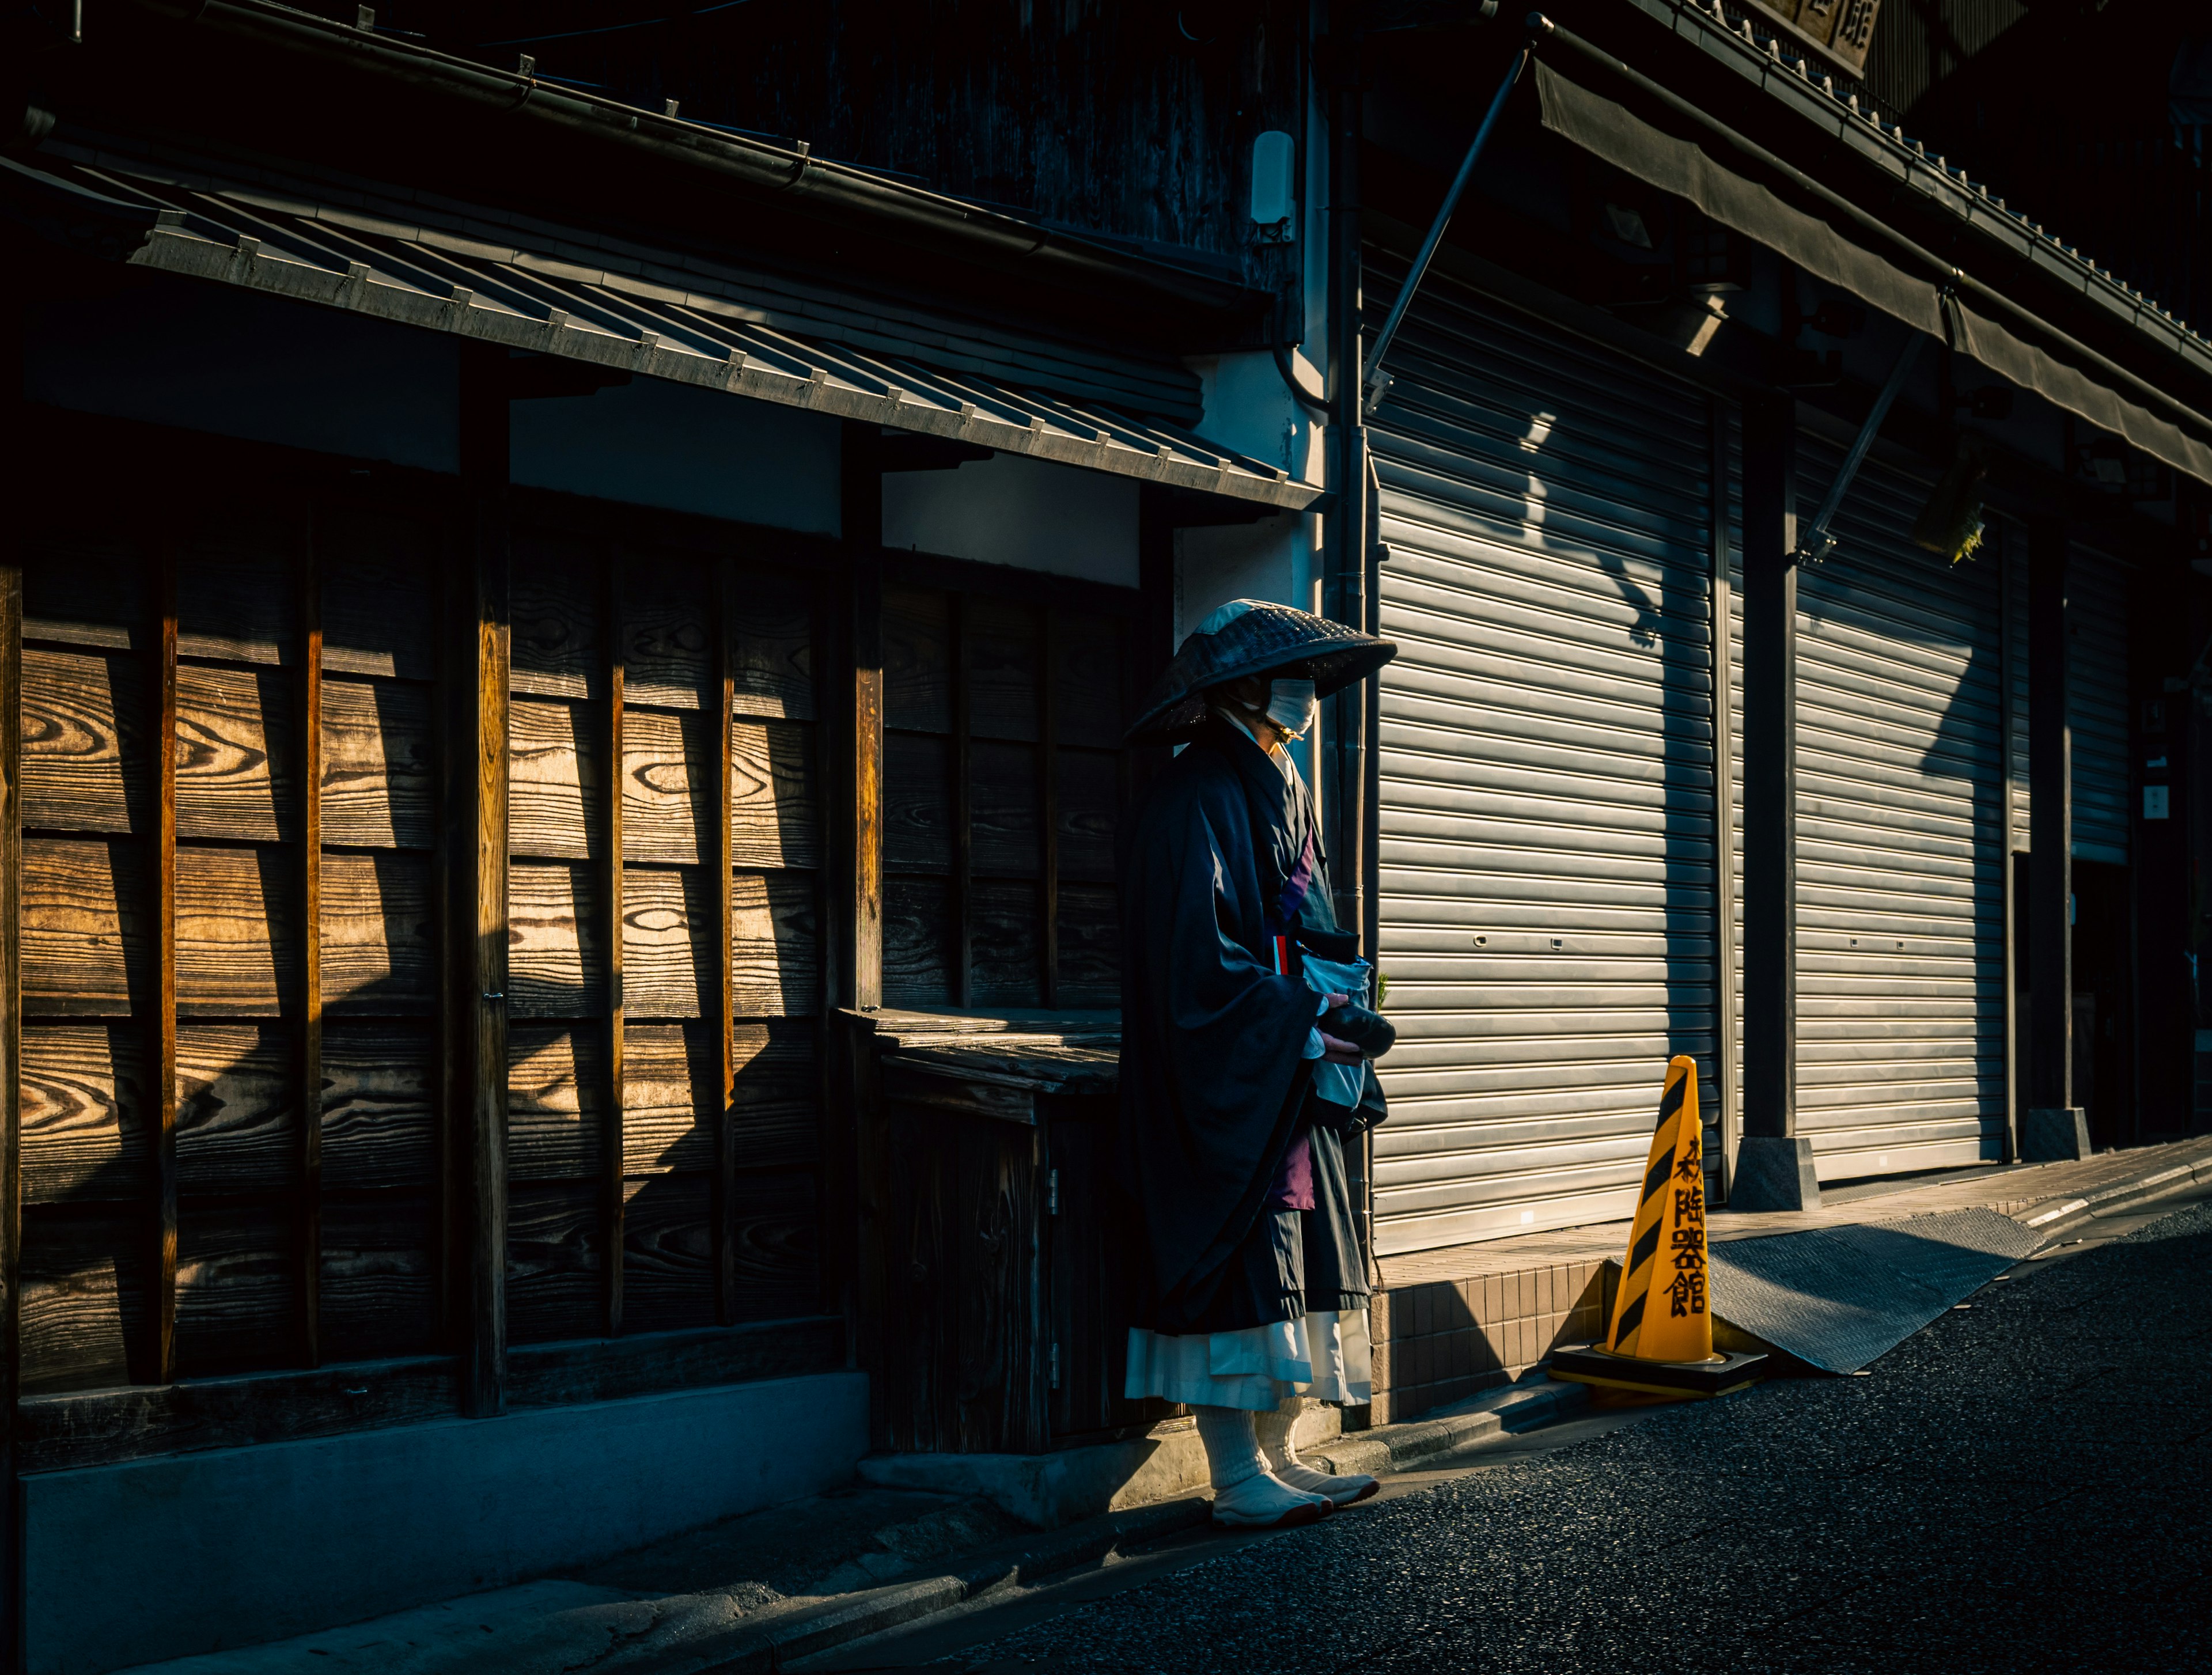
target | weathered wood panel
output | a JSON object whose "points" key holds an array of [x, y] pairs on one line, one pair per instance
{"points": [[379, 767], [667, 639], [1006, 959], [378, 1275], [238, 1288], [555, 1246], [86, 1131], [380, 934], [88, 927], [668, 1124], [668, 787], [775, 806], [556, 1102], [1088, 698], [917, 642], [105, 1427], [560, 645], [999, 1392], [668, 1253], [772, 645], [918, 813], [670, 968], [671, 1081], [234, 592], [557, 782], [1004, 796], [775, 945], [1090, 794], [86, 585], [85, 764], [1004, 654], [237, 760], [556, 937], [377, 578], [238, 942], [238, 1109], [776, 1095], [86, 1299], [917, 952], [776, 1238], [379, 1115], [1089, 946]]}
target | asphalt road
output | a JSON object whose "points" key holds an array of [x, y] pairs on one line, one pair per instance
{"points": [[2022, 1486]]}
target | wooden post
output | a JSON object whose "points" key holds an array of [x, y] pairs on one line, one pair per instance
{"points": [[164, 1044], [2055, 1126], [616, 771], [725, 1008], [964, 835], [484, 699], [1774, 1166], [311, 945], [16, 490], [1729, 1046], [862, 510], [1049, 809], [11, 1022]]}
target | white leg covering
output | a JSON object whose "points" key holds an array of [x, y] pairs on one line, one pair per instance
{"points": [[1274, 1434], [1244, 1494]]}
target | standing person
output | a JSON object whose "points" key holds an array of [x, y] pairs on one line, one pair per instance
{"points": [[1244, 1050]]}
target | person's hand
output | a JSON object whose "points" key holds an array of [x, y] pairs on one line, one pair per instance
{"points": [[1331, 1002], [1335, 1052]]}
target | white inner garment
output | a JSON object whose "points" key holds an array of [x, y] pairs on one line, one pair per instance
{"points": [[1323, 1354]]}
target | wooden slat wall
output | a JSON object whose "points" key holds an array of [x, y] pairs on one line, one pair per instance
{"points": [[1001, 782], [215, 1183], [666, 841]]}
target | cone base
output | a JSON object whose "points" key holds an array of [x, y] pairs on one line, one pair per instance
{"points": [[1723, 1375]]}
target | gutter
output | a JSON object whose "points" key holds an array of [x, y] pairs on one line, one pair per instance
{"points": [[833, 191]]}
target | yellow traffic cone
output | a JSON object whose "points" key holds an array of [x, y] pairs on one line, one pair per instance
{"points": [[1659, 1340]]}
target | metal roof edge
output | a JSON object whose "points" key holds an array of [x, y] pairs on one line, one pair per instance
{"points": [[1811, 93], [838, 191]]}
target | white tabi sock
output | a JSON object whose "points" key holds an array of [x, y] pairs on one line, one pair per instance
{"points": [[1273, 1433], [1244, 1494]]}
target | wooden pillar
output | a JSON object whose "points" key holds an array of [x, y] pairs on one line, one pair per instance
{"points": [[2055, 1127], [1774, 1164], [310, 731], [15, 494], [163, 1046], [725, 1006], [612, 1179], [862, 507], [482, 692]]}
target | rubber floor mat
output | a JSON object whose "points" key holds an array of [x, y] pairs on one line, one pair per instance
{"points": [[1837, 1297]]}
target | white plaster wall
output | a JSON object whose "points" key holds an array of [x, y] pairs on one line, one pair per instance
{"points": [[654, 443], [210, 357], [1029, 513]]}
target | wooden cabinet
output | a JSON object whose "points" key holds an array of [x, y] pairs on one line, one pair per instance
{"points": [[1003, 1322]]}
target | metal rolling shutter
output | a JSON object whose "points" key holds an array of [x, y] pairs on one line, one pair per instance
{"points": [[1900, 882], [2097, 706], [1546, 825]]}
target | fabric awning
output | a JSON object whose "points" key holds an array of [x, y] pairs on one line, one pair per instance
{"points": [[488, 287], [1680, 163]]}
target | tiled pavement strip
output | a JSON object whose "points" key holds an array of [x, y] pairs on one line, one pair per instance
{"points": [[1453, 1323], [577, 1627]]}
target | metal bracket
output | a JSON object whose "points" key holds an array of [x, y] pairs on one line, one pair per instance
{"points": [[1814, 542]]}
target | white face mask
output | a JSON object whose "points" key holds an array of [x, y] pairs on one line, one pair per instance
{"points": [[1290, 706]]}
